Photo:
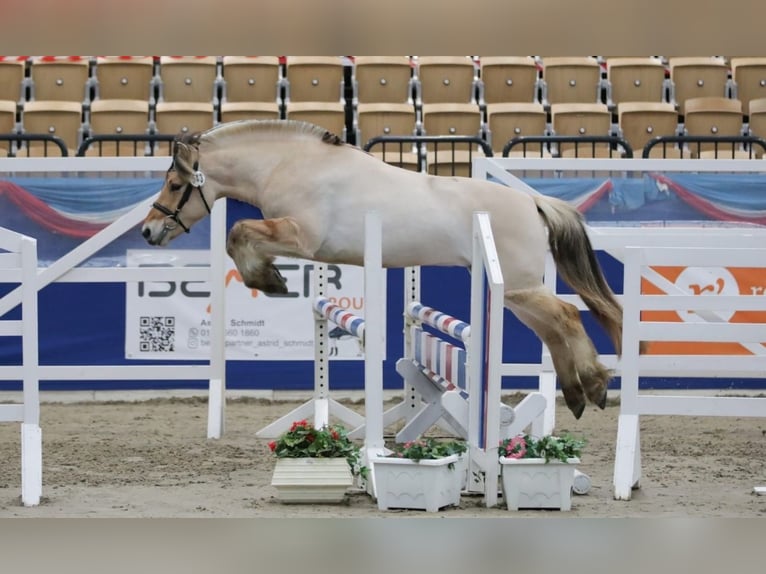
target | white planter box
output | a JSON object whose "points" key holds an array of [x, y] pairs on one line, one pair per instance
{"points": [[312, 480], [533, 483], [421, 485]]}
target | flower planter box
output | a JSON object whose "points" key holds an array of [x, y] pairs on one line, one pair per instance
{"points": [[533, 483], [312, 480], [420, 485]]}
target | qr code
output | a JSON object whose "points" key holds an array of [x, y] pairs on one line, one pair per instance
{"points": [[157, 334]]}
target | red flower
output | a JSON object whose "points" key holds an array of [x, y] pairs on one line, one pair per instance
{"points": [[303, 424], [334, 434], [273, 446], [310, 438]]}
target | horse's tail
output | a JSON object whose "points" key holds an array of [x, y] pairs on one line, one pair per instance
{"points": [[576, 262]]}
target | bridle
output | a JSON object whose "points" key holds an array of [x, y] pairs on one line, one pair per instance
{"points": [[173, 218]]}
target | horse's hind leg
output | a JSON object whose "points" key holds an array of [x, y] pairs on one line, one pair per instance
{"points": [[254, 243], [575, 358]]}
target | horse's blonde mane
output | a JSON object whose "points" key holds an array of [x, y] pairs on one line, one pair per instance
{"points": [[269, 127]]}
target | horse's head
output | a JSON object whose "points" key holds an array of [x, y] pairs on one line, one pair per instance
{"points": [[182, 200]]}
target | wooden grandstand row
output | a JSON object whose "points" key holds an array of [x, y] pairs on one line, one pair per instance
{"points": [[129, 105]]}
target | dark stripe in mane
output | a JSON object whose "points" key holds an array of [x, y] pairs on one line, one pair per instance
{"points": [[263, 126]]}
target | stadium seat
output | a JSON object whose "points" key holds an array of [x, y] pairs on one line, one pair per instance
{"points": [[574, 119], [444, 162], [383, 79], [713, 117], [635, 80], [329, 115], [508, 121], [749, 77], [188, 79], [118, 117], [59, 119], [388, 119], [124, 78], [643, 121], [697, 77], [571, 80], [235, 111], [381, 119], [183, 117], [452, 119], [508, 79], [251, 79], [446, 79], [757, 121], [7, 124], [12, 80], [314, 79], [60, 79]]}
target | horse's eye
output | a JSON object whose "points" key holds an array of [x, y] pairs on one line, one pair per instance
{"points": [[175, 186]]}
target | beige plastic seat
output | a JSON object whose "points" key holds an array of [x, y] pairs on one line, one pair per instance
{"points": [[314, 79], [571, 80], [60, 119], [446, 163], [452, 119], [511, 120], [388, 119], [188, 79], [383, 79], [749, 76], [118, 117], [183, 117], [12, 80], [635, 80], [446, 79], [328, 115], [713, 117], [757, 122], [508, 79], [235, 111], [641, 122], [61, 80], [384, 119], [697, 77], [124, 78], [251, 79], [7, 124], [580, 120]]}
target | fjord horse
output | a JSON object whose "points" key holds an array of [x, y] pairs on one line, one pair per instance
{"points": [[314, 190]]}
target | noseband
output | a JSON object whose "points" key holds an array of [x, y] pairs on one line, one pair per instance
{"points": [[173, 218]]}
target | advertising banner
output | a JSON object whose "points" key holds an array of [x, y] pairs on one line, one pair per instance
{"points": [[709, 282], [171, 320]]}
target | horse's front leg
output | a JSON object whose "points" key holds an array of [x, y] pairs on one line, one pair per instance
{"points": [[254, 243]]}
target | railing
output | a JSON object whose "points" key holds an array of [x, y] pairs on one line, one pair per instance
{"points": [[46, 140], [716, 141], [418, 143], [127, 141], [592, 141]]}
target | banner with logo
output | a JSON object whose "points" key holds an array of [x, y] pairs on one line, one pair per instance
{"points": [[708, 282], [171, 320]]}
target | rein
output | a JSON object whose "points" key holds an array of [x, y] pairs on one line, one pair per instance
{"points": [[173, 218]]}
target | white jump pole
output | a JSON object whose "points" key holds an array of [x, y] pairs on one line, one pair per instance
{"points": [[322, 406], [485, 356]]}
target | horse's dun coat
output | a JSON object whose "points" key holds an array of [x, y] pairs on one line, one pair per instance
{"points": [[313, 191]]}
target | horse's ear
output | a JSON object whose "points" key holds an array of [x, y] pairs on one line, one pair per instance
{"points": [[182, 159]]}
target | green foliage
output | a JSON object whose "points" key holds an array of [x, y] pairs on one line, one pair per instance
{"points": [[305, 441], [549, 447], [429, 449]]}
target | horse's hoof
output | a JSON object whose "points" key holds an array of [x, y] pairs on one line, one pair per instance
{"points": [[602, 402], [578, 411]]}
